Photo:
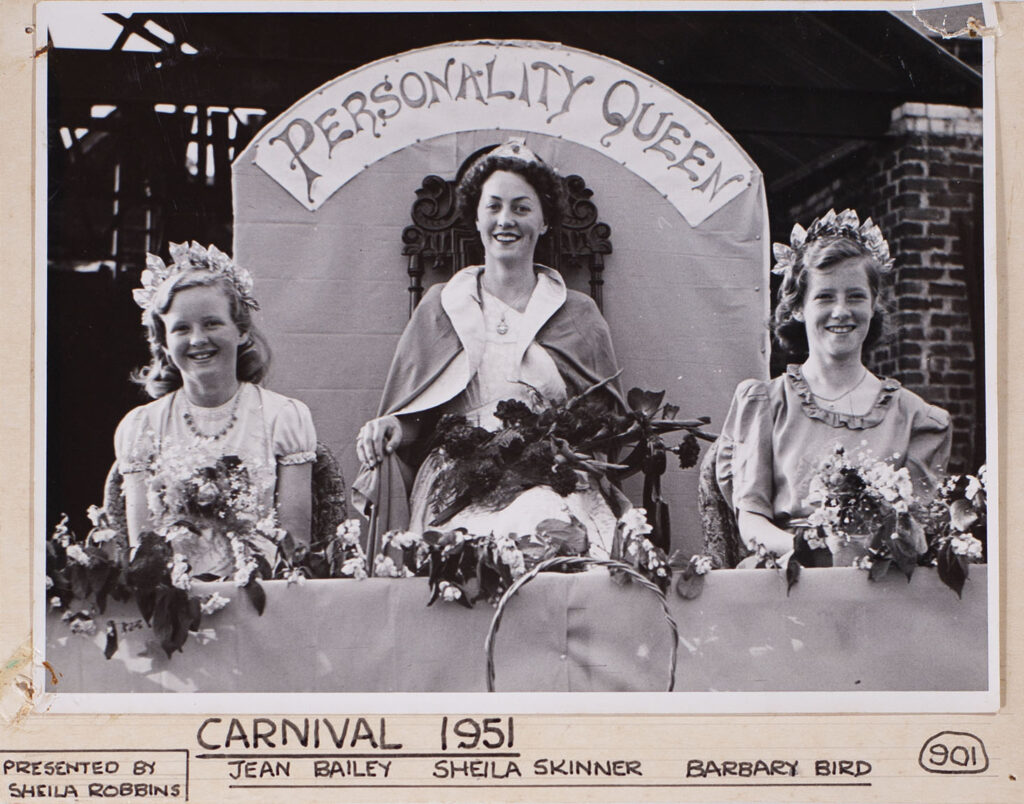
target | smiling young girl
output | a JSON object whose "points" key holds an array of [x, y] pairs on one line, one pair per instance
{"points": [[214, 449], [776, 432]]}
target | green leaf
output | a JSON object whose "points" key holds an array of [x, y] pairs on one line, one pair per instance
{"points": [[111, 647], [962, 515], [80, 581], [195, 613], [904, 555], [145, 599], [689, 584], [569, 538], [644, 402], [952, 571], [879, 569], [464, 597], [256, 595], [793, 569]]}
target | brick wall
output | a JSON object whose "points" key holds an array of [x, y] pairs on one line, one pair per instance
{"points": [[922, 184]]}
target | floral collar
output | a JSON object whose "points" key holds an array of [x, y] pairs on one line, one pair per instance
{"points": [[795, 378]]}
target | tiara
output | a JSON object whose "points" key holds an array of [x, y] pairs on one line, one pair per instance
{"points": [[186, 256], [515, 148], [832, 225]]}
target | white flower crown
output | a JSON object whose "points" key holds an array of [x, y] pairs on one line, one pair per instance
{"points": [[186, 256], [832, 225]]}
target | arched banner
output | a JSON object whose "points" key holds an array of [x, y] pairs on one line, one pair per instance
{"points": [[685, 286], [334, 133]]}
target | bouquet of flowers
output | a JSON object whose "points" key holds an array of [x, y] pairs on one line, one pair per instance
{"points": [[562, 445], [863, 513], [956, 522]]}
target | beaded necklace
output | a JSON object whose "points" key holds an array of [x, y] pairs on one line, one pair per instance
{"points": [[191, 424]]}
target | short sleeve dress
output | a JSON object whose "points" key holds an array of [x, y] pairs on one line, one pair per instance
{"points": [[775, 434], [198, 462]]}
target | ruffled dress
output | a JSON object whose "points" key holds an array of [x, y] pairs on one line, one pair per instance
{"points": [[218, 479], [776, 434], [505, 372]]}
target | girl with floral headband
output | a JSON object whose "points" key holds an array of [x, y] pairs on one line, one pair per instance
{"points": [[776, 433], [217, 465]]}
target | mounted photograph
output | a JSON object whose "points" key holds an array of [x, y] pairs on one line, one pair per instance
{"points": [[500, 353]]}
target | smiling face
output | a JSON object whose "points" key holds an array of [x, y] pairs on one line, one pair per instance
{"points": [[837, 309], [509, 217], [202, 340]]}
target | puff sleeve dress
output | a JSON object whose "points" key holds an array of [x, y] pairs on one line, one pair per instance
{"points": [[776, 434]]}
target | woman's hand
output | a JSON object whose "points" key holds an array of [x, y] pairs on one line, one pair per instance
{"points": [[377, 439]]}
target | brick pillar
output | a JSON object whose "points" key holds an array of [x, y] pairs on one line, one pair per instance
{"points": [[922, 185], [933, 222]]}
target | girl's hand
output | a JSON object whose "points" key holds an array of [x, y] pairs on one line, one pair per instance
{"points": [[377, 439], [757, 530]]}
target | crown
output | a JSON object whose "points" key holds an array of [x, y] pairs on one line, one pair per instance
{"points": [[186, 256], [832, 225], [515, 148]]}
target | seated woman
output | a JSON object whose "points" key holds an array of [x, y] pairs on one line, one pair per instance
{"points": [[776, 433], [507, 329], [215, 450]]}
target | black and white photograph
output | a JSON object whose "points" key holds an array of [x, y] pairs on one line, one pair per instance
{"points": [[427, 348]]}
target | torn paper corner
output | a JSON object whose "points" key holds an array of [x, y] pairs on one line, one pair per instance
{"points": [[18, 693], [972, 28]]}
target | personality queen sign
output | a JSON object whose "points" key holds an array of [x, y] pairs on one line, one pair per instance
{"points": [[332, 134]]}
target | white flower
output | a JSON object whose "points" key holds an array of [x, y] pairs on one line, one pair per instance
{"points": [[864, 562], [243, 572], [102, 535], [213, 603], [267, 526], [175, 532], [403, 539], [61, 532], [95, 514], [180, 577], [973, 487], [294, 576], [967, 545], [701, 564], [634, 522], [384, 567], [83, 625], [449, 591], [348, 531], [55, 603], [49, 582], [78, 555], [354, 567]]}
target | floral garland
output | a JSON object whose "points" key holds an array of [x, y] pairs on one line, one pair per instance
{"points": [[465, 568], [83, 574]]}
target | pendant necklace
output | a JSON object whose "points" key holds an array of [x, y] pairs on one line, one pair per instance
{"points": [[191, 424], [831, 402], [502, 327]]}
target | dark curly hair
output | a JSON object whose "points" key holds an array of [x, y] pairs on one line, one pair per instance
{"points": [[820, 255], [542, 178], [161, 376]]}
